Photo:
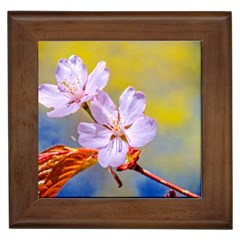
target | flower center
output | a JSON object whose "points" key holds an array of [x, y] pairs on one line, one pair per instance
{"points": [[77, 97], [117, 129], [73, 90]]}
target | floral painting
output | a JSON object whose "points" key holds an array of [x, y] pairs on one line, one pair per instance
{"points": [[119, 119]]}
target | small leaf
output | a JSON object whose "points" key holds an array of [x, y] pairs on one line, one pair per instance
{"points": [[58, 164]]}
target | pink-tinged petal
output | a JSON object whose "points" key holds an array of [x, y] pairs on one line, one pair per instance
{"points": [[50, 96], [131, 106], [97, 79], [64, 110], [93, 135], [114, 154], [103, 109], [71, 75], [143, 130]]}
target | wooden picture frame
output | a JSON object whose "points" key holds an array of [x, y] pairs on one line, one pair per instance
{"points": [[212, 211]]}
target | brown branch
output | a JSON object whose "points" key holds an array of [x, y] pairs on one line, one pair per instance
{"points": [[88, 110], [146, 173], [115, 176]]}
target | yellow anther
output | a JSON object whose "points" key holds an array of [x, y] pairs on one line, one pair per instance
{"points": [[66, 85]]}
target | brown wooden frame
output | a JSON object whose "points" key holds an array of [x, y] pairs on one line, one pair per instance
{"points": [[213, 210]]}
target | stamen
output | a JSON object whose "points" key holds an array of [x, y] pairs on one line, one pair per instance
{"points": [[116, 146], [108, 122], [120, 145], [110, 147], [67, 85]]}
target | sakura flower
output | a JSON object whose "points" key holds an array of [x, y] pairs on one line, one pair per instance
{"points": [[74, 86], [117, 129]]}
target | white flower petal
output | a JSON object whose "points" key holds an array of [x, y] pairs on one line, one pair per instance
{"points": [[64, 110], [92, 135], [131, 106], [97, 79], [71, 75], [114, 154], [143, 130], [103, 109], [50, 96]]}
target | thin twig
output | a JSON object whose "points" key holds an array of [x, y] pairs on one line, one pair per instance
{"points": [[146, 173], [88, 110], [115, 177]]}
